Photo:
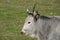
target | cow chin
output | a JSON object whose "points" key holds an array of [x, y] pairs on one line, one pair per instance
{"points": [[32, 36], [26, 34]]}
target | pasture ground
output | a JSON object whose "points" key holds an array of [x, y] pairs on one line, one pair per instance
{"points": [[13, 13]]}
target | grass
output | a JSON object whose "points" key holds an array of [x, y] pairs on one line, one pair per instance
{"points": [[13, 13]]}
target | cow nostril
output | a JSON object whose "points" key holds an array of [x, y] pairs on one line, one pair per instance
{"points": [[21, 32]]}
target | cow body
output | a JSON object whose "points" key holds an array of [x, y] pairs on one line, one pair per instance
{"points": [[48, 29]]}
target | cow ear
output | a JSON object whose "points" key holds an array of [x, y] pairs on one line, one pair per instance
{"points": [[36, 15], [28, 11]]}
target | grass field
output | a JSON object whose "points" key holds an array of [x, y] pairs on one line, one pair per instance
{"points": [[13, 13]]}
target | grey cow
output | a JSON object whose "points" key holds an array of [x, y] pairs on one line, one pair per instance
{"points": [[41, 27]]}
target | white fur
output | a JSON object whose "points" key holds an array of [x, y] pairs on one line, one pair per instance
{"points": [[29, 29]]}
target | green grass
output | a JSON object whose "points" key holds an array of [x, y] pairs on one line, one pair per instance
{"points": [[13, 14]]}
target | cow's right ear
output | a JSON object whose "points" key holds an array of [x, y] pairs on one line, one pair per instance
{"points": [[36, 15]]}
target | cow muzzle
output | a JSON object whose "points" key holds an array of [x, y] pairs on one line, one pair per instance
{"points": [[22, 33]]}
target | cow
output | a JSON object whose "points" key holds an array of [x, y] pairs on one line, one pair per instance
{"points": [[41, 27]]}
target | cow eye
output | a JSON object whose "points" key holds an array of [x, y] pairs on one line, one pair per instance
{"points": [[29, 22]]}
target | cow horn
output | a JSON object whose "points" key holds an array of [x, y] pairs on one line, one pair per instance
{"points": [[34, 7], [34, 12]]}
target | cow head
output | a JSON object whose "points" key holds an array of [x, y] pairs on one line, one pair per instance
{"points": [[29, 25]]}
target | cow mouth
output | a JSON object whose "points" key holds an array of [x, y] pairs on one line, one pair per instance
{"points": [[30, 35], [24, 34]]}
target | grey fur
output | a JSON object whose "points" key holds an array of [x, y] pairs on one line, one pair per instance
{"points": [[48, 28], [43, 27]]}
